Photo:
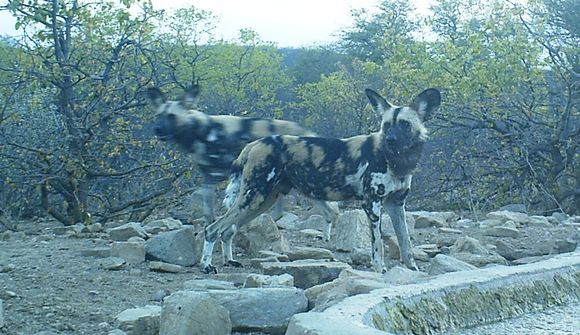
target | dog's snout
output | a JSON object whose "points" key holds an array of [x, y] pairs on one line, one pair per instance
{"points": [[391, 138]]}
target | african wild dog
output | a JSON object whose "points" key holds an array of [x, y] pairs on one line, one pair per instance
{"points": [[375, 168], [214, 140]]}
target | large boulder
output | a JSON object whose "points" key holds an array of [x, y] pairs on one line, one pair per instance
{"points": [[353, 231], [128, 230], [306, 273], [189, 312], [175, 247], [139, 321], [260, 234], [265, 310]]}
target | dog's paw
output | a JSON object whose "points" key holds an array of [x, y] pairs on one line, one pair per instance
{"points": [[234, 264], [209, 269]]}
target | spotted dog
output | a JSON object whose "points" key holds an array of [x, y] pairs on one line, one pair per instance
{"points": [[213, 140], [375, 168]]}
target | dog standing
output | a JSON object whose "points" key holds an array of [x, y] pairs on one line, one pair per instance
{"points": [[214, 140], [375, 168]]}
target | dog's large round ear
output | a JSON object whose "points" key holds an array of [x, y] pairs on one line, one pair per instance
{"points": [[377, 101], [154, 97], [426, 103], [190, 96]]}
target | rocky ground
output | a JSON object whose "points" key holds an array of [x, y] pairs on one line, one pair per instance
{"points": [[62, 280]]}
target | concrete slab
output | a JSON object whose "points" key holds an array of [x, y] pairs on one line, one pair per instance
{"points": [[453, 300]]}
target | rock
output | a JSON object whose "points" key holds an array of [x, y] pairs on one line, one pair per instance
{"points": [[236, 278], [312, 233], [278, 256], [360, 256], [567, 245], [503, 216], [175, 247], [161, 294], [257, 262], [469, 245], [208, 284], [539, 221], [393, 245], [501, 231], [531, 259], [447, 230], [1, 314], [111, 263], [470, 250], [298, 253], [401, 276], [131, 252], [425, 219], [262, 309], [139, 321], [100, 252], [258, 280], [188, 312], [315, 221], [420, 255], [443, 264], [117, 332], [288, 221], [487, 223], [307, 273], [559, 217], [164, 267], [261, 234], [518, 208], [430, 249], [163, 225], [353, 231], [126, 231], [322, 296], [96, 227]]}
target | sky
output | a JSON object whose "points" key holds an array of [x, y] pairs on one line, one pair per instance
{"points": [[294, 23]]}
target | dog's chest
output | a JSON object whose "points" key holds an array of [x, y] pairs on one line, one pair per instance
{"points": [[376, 183]]}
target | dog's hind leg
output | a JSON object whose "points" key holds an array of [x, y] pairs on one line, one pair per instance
{"points": [[330, 213], [397, 214], [278, 209]]}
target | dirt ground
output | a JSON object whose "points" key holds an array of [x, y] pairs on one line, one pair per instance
{"points": [[48, 287]]}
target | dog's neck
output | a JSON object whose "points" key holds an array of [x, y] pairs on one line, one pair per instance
{"points": [[403, 163], [186, 136]]}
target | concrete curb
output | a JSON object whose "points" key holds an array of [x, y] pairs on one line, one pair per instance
{"points": [[450, 301]]}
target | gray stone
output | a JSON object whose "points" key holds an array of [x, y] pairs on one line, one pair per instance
{"points": [[502, 231], [563, 246], [425, 219], [288, 221], [401, 276], [100, 252], [268, 253], [420, 255], [298, 253], [430, 249], [257, 262], [261, 234], [175, 247], [139, 321], [447, 230], [539, 221], [258, 280], [470, 250], [315, 221], [1, 314], [559, 217], [208, 284], [443, 264], [96, 227], [314, 233], [131, 252], [503, 216], [117, 332], [353, 231], [307, 273], [112, 263], [470, 245], [126, 231], [236, 278], [317, 323], [163, 225], [164, 267], [518, 208], [393, 245], [262, 309], [188, 312], [360, 256]]}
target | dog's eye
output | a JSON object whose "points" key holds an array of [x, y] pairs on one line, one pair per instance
{"points": [[171, 116]]}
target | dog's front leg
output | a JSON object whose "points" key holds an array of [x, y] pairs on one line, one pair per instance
{"points": [[373, 209], [397, 213], [208, 197]]}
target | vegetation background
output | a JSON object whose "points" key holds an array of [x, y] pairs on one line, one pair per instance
{"points": [[75, 136]]}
